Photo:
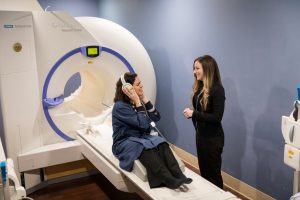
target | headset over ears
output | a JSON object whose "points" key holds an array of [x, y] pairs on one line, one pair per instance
{"points": [[124, 83]]}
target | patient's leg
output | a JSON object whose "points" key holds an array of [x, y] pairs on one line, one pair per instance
{"points": [[168, 157], [157, 172]]}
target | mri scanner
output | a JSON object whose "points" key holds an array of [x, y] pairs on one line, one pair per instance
{"points": [[290, 127], [44, 124]]}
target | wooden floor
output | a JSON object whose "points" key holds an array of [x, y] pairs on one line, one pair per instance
{"points": [[88, 188]]}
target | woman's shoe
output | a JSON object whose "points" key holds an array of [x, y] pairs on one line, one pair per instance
{"points": [[174, 186], [188, 180], [185, 180], [173, 183]]}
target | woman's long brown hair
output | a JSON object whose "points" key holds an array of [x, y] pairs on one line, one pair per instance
{"points": [[211, 76]]}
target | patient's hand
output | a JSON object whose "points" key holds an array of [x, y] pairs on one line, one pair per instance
{"points": [[144, 99], [130, 92]]}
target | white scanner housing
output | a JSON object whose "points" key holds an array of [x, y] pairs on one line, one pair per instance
{"points": [[291, 134]]}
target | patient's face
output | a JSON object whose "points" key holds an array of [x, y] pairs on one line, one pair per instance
{"points": [[138, 87]]}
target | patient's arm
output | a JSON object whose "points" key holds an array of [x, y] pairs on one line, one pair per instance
{"points": [[125, 113], [152, 112]]}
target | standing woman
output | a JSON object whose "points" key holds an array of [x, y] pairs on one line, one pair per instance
{"points": [[208, 101]]}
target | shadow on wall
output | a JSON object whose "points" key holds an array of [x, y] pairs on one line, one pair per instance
{"points": [[164, 97], [268, 146], [234, 125]]}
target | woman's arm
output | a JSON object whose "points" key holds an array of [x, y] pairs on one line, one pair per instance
{"points": [[125, 113], [218, 104], [152, 111]]}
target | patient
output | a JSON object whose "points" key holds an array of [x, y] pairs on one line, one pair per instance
{"points": [[131, 117]]}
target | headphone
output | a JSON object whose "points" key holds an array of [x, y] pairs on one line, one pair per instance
{"points": [[124, 83], [152, 124]]}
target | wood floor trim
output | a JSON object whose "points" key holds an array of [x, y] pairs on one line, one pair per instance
{"points": [[233, 184]]}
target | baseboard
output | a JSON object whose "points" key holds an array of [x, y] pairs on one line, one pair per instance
{"points": [[235, 185]]}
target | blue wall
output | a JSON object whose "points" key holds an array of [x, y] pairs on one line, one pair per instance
{"points": [[257, 46]]}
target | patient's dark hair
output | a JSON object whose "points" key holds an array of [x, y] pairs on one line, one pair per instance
{"points": [[120, 95]]}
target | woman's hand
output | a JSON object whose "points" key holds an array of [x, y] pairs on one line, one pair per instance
{"points": [[188, 113], [130, 92], [143, 97]]}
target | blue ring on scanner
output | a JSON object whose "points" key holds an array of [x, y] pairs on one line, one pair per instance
{"points": [[298, 89], [54, 68]]}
